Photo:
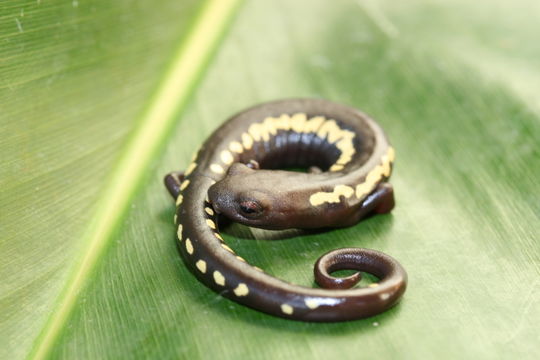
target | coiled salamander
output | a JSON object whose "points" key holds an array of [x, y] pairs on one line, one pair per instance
{"points": [[235, 174]]}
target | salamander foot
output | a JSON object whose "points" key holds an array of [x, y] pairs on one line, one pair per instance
{"points": [[172, 182]]}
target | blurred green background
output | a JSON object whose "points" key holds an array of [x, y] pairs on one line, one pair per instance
{"points": [[99, 99]]}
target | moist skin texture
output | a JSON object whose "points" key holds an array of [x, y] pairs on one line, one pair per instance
{"points": [[235, 174]]}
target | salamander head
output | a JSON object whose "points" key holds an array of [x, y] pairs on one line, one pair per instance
{"points": [[256, 198]]}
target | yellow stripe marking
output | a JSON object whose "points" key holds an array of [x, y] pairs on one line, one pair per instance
{"points": [[313, 124], [209, 211], [282, 122], [386, 169], [297, 122], [331, 197], [375, 175], [325, 129], [363, 189], [391, 154], [218, 236], [270, 126]]}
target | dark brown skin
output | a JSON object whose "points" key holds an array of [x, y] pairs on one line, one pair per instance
{"points": [[235, 175]]}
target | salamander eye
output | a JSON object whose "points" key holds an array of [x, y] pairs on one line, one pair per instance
{"points": [[250, 208]]}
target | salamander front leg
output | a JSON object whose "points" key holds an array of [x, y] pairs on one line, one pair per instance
{"points": [[173, 181], [382, 198]]}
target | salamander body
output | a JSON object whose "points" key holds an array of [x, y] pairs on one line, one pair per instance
{"points": [[235, 174]]}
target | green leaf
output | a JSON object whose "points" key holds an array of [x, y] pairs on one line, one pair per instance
{"points": [[89, 94]]}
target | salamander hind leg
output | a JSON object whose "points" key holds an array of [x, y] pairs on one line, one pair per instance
{"points": [[173, 181], [380, 201], [384, 198]]}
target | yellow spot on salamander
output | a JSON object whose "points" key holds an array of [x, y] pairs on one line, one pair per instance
{"points": [[375, 175], [236, 147], [329, 130], [175, 219], [346, 146], [226, 157], [325, 129], [241, 258], [241, 290], [184, 185], [391, 154], [313, 124], [373, 285], [211, 224], [217, 169], [226, 247], [331, 197], [189, 247], [218, 236], [386, 169], [179, 200], [209, 211], [336, 167], [258, 131], [179, 232], [287, 309], [201, 265], [363, 189], [190, 168], [219, 278], [247, 141], [312, 303], [269, 126], [297, 122], [282, 122]]}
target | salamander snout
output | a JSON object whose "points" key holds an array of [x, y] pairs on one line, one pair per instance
{"points": [[247, 206]]}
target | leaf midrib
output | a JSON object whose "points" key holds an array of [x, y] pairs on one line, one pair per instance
{"points": [[168, 100]]}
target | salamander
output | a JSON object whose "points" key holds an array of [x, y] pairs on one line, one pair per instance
{"points": [[238, 173]]}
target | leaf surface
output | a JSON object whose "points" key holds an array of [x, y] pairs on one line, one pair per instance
{"points": [[455, 86]]}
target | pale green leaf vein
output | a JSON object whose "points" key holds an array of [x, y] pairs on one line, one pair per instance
{"points": [[153, 127]]}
